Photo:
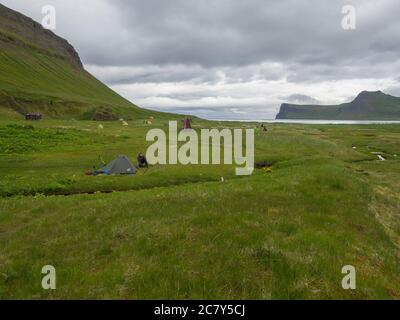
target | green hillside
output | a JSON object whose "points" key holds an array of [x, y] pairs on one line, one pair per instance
{"points": [[179, 232], [366, 106], [40, 72]]}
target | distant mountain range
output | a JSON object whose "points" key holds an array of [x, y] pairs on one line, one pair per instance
{"points": [[41, 72], [367, 105]]}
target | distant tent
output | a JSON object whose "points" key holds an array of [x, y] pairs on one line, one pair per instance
{"points": [[120, 165], [187, 123]]}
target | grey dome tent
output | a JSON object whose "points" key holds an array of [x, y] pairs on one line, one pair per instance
{"points": [[120, 165]]}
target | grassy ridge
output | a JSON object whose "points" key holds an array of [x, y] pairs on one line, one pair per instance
{"points": [[182, 233]]}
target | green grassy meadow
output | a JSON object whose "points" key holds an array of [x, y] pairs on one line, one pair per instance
{"points": [[179, 232]]}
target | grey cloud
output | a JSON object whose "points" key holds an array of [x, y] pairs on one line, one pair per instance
{"points": [[242, 32], [186, 73], [393, 90]]}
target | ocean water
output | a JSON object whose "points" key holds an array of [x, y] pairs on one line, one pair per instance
{"points": [[305, 121]]}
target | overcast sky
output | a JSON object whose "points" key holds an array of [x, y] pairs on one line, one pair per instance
{"points": [[231, 58]]}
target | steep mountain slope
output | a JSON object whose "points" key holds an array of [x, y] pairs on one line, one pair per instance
{"points": [[41, 72], [366, 106]]}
